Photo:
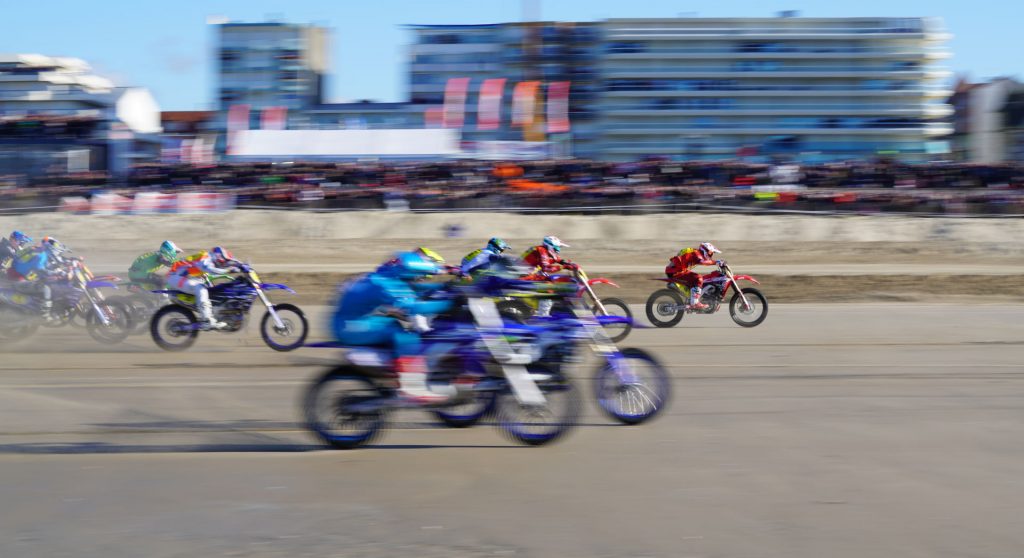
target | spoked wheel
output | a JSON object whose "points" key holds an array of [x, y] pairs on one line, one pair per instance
{"points": [[173, 328], [339, 409], [536, 425], [141, 308], [289, 337], [635, 389], [16, 325], [664, 308], [118, 325], [473, 407], [754, 313], [616, 307]]}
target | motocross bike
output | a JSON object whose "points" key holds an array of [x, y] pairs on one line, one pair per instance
{"points": [[748, 307], [176, 326], [76, 300], [631, 386], [142, 302], [533, 404], [522, 307]]}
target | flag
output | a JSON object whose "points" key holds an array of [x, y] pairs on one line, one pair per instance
{"points": [[274, 118], [238, 120], [558, 107], [524, 101], [455, 102], [488, 113]]}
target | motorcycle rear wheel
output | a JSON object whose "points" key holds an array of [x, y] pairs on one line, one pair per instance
{"points": [[165, 328], [664, 308], [328, 415], [616, 307], [16, 325], [539, 425]]}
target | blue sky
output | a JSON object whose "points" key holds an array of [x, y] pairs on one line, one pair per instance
{"points": [[166, 46]]}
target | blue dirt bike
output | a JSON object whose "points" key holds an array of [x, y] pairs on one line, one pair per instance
{"points": [[76, 301], [176, 326], [348, 405], [630, 385]]}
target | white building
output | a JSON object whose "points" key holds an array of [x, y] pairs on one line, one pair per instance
{"points": [[810, 89], [56, 115], [988, 138]]}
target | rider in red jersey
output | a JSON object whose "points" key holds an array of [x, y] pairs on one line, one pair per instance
{"points": [[680, 268], [545, 260]]}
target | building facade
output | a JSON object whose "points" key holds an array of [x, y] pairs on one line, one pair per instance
{"points": [[57, 116], [808, 89], [271, 64]]}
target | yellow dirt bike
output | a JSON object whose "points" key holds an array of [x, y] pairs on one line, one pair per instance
{"points": [[521, 307]]}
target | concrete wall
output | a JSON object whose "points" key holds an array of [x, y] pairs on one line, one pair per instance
{"points": [[296, 226]]}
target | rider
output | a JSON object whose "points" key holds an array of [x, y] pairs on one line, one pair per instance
{"points": [[680, 269], [189, 275], [9, 249], [480, 260], [546, 260], [146, 268], [35, 265], [371, 312]]}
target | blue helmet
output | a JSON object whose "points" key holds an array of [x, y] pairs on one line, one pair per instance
{"points": [[19, 238], [410, 265]]}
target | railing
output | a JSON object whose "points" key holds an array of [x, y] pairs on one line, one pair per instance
{"points": [[776, 49], [730, 105], [734, 70], [763, 87], [748, 125]]}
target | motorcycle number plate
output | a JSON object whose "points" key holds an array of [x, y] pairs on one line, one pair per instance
{"points": [[485, 312], [19, 299], [523, 386]]}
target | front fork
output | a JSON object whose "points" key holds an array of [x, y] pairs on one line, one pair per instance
{"points": [[597, 301], [603, 346], [96, 307], [739, 291], [270, 308]]}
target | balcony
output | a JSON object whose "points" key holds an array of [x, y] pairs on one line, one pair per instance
{"points": [[772, 128], [663, 109], [716, 72], [641, 51]]}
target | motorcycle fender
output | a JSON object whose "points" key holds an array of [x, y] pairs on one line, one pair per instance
{"points": [[100, 285], [602, 281], [746, 278], [276, 286]]}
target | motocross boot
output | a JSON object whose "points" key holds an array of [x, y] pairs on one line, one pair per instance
{"points": [[206, 316], [412, 382], [695, 304]]}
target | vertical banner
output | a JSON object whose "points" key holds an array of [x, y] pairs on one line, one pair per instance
{"points": [[488, 113], [524, 102], [558, 107], [433, 117], [455, 102], [238, 120], [273, 118]]}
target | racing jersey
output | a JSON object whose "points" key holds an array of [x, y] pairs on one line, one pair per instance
{"points": [[145, 267], [542, 259], [685, 261], [195, 267], [477, 260]]}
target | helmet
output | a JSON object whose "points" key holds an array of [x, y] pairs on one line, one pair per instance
{"points": [[554, 243], [53, 246], [707, 250], [497, 245], [169, 251], [19, 238], [412, 265], [429, 255], [220, 255]]}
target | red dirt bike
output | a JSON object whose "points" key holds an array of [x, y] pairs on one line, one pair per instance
{"points": [[748, 307]]}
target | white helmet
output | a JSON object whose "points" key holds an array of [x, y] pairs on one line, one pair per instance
{"points": [[554, 243], [707, 250]]}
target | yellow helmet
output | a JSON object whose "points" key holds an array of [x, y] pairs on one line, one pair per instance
{"points": [[429, 254]]}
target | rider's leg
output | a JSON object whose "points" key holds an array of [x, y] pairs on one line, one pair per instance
{"points": [[197, 288], [696, 284], [544, 307], [412, 370], [47, 295]]}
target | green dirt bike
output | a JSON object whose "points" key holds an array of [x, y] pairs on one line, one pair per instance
{"points": [[521, 307]]}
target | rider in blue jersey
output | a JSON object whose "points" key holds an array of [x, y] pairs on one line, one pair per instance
{"points": [[35, 265], [480, 260], [372, 310]]}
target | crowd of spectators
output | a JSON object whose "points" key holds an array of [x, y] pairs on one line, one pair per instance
{"points": [[644, 185]]}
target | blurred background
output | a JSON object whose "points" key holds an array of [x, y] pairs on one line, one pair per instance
{"points": [[515, 104]]}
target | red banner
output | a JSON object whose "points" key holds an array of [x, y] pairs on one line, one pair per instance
{"points": [[274, 118], [433, 117], [455, 102], [238, 120], [558, 107], [488, 113], [524, 102]]}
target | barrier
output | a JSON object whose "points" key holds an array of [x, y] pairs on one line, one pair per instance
{"points": [[154, 202], [110, 204], [148, 203], [205, 202]]}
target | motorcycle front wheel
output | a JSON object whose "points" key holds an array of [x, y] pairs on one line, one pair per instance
{"points": [[754, 314], [332, 408], [118, 326], [635, 394], [292, 335], [664, 308], [616, 307]]}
